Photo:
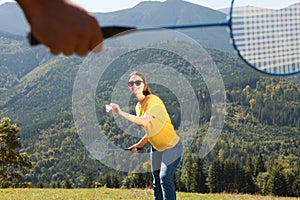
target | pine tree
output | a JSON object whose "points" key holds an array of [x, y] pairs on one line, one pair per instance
{"points": [[262, 183], [296, 183], [260, 165], [68, 183], [215, 177], [249, 173], [277, 181], [233, 175], [13, 162], [58, 184], [194, 176], [296, 186], [88, 180], [201, 176], [186, 176]]}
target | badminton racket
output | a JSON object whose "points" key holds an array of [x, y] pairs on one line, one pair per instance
{"points": [[267, 39], [99, 149]]}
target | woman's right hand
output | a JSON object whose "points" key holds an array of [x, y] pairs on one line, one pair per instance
{"points": [[115, 107]]}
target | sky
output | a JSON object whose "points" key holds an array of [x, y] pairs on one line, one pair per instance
{"points": [[113, 5]]}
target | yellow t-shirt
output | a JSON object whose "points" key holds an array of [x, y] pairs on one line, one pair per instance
{"points": [[160, 131]]}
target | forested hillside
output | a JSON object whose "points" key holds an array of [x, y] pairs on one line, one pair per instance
{"points": [[258, 150]]}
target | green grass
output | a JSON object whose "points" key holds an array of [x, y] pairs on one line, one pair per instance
{"points": [[111, 194]]}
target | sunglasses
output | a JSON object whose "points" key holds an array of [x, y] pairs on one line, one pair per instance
{"points": [[137, 83]]}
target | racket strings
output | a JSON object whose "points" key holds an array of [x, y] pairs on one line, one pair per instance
{"points": [[268, 38], [97, 149]]}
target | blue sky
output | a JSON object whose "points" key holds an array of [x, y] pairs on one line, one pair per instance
{"points": [[113, 5]]}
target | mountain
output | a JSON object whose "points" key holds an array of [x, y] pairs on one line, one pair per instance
{"points": [[18, 59], [173, 12], [145, 14], [36, 93], [170, 12]]}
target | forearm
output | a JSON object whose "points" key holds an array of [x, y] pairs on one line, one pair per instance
{"points": [[28, 3], [142, 141], [31, 8], [141, 121]]}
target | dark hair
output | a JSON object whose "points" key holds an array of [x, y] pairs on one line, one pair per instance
{"points": [[146, 90]]}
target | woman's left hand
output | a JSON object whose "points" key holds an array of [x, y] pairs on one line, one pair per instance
{"points": [[134, 148]]}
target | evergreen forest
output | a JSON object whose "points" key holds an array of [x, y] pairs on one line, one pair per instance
{"points": [[257, 152]]}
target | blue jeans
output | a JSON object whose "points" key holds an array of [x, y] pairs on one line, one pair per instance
{"points": [[163, 165]]}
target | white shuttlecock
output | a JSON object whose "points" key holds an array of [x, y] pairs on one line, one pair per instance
{"points": [[108, 108]]}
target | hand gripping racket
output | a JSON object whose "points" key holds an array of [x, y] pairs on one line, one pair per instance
{"points": [[99, 149], [266, 39]]}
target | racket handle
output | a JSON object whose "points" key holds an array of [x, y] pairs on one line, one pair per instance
{"points": [[107, 32], [32, 40], [138, 148]]}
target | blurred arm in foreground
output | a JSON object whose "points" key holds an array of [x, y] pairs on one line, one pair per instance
{"points": [[62, 26]]}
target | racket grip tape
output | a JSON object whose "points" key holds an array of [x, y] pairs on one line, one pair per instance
{"points": [[107, 32]]}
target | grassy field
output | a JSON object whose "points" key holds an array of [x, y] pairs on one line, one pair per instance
{"points": [[111, 194]]}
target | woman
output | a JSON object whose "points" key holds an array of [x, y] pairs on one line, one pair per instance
{"points": [[152, 116]]}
